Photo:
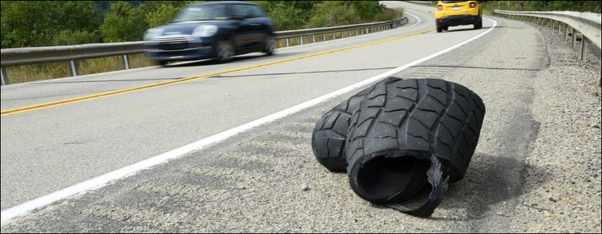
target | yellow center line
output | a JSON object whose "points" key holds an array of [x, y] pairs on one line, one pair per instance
{"points": [[69, 101]]}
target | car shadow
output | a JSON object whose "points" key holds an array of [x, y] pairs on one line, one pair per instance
{"points": [[239, 58], [470, 29]]}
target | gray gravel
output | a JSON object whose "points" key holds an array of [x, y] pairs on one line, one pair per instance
{"points": [[537, 167], [562, 190]]}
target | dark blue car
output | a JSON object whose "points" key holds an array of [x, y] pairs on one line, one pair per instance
{"points": [[217, 30]]}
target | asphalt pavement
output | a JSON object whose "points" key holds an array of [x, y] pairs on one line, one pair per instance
{"points": [[255, 180]]}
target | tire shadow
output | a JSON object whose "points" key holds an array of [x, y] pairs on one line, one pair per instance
{"points": [[490, 180]]}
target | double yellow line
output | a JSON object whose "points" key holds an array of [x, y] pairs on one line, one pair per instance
{"points": [[47, 105]]}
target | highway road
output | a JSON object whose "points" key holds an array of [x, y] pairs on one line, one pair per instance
{"points": [[232, 141]]}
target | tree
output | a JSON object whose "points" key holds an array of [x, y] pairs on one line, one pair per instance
{"points": [[30, 24], [161, 13], [124, 23]]}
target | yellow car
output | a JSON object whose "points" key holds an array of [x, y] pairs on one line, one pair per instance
{"points": [[455, 13]]}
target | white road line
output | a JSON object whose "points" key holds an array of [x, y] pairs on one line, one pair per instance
{"points": [[419, 21], [106, 179]]}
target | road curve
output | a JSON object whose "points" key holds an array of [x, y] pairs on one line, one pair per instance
{"points": [[47, 150], [252, 181]]}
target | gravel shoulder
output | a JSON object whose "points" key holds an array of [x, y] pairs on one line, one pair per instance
{"points": [[536, 169], [562, 187]]}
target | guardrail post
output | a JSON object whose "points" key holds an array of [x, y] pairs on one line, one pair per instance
{"points": [[313, 38], [126, 61], [559, 28], [4, 76], [583, 49], [324, 36], [566, 31], [334, 36], [574, 38], [342, 34], [301, 40], [73, 68], [287, 42]]}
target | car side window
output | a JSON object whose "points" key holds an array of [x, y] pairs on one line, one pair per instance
{"points": [[257, 12], [242, 10]]}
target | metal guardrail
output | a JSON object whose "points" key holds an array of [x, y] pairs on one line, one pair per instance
{"points": [[422, 2], [586, 24], [37, 55]]}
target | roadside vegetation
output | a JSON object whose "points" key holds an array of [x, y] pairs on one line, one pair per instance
{"points": [[581, 6], [54, 23]]}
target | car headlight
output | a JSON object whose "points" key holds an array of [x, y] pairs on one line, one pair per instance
{"points": [[205, 31], [152, 34]]}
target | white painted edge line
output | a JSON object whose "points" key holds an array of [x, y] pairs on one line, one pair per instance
{"points": [[128, 171], [419, 21]]}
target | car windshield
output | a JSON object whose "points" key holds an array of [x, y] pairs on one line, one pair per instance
{"points": [[198, 13]]}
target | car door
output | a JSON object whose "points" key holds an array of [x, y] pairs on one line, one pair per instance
{"points": [[243, 34], [258, 23]]}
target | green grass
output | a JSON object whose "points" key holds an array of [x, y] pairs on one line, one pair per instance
{"points": [[36, 72], [488, 12]]}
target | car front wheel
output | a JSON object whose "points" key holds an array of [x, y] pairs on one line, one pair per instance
{"points": [[224, 51]]}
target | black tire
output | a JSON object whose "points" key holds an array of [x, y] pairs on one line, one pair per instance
{"points": [[399, 127], [439, 29], [446, 28], [270, 46], [479, 25], [161, 63], [224, 51], [330, 132]]}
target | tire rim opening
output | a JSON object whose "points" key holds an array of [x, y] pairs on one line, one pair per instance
{"points": [[382, 178]]}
